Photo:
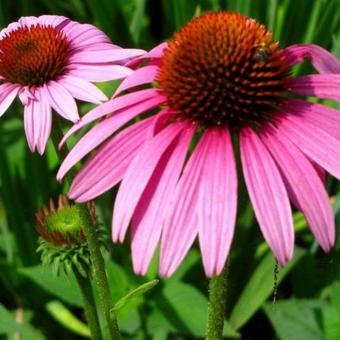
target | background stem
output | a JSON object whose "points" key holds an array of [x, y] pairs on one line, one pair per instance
{"points": [[90, 305], [217, 304], [99, 273]]}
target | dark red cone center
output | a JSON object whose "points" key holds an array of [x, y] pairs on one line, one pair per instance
{"points": [[33, 55], [223, 69]]}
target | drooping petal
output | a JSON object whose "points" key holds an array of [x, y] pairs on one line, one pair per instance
{"points": [[155, 53], [82, 89], [7, 94], [152, 207], [268, 195], [322, 116], [61, 100], [217, 201], [37, 123], [102, 56], [29, 125], [138, 176], [99, 72], [324, 86], [181, 223], [316, 143], [306, 185], [100, 133], [107, 167], [112, 106], [321, 59], [141, 76], [43, 114]]}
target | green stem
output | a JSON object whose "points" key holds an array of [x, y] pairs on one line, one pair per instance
{"points": [[217, 304], [90, 305], [99, 273]]}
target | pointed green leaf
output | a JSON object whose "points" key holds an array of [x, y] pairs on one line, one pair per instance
{"points": [[259, 288], [139, 291], [64, 316]]}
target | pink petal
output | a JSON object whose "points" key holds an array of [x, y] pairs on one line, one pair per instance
{"points": [[322, 60], [37, 122], [217, 201], [138, 176], [28, 21], [43, 118], [316, 143], [100, 72], [155, 53], [141, 76], [181, 224], [61, 100], [325, 86], [324, 117], [107, 55], [11, 27], [83, 35], [29, 125], [108, 165], [7, 94], [102, 46], [53, 20], [268, 196], [148, 217], [100, 133], [112, 106], [82, 89], [306, 185]]}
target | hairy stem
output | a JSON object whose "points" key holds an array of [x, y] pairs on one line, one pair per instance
{"points": [[99, 272], [90, 305], [217, 304]]}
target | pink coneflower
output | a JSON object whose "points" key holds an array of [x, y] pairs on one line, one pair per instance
{"points": [[50, 60], [219, 76]]}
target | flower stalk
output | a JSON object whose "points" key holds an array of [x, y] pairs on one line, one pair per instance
{"points": [[98, 265], [217, 305], [84, 284]]}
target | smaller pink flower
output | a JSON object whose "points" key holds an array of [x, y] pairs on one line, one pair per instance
{"points": [[48, 61]]}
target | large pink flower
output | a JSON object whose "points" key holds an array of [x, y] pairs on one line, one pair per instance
{"points": [[220, 76], [50, 60]]}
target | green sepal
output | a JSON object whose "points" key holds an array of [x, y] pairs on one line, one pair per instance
{"points": [[75, 257]]}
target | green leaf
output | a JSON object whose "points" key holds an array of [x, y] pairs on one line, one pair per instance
{"points": [[7, 321], [295, 319], [331, 323], [139, 291], [8, 325], [259, 288], [63, 315], [182, 308], [62, 286]]}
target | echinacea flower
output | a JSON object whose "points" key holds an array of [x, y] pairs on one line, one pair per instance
{"points": [[50, 60], [220, 76]]}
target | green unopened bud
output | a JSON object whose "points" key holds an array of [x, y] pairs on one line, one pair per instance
{"points": [[63, 243]]}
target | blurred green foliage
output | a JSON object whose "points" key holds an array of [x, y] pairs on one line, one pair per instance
{"points": [[36, 305]]}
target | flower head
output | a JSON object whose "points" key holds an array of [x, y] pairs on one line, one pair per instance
{"points": [[50, 60], [63, 242], [220, 75]]}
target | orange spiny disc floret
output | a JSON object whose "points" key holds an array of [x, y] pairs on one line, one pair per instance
{"points": [[33, 55], [223, 69]]}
